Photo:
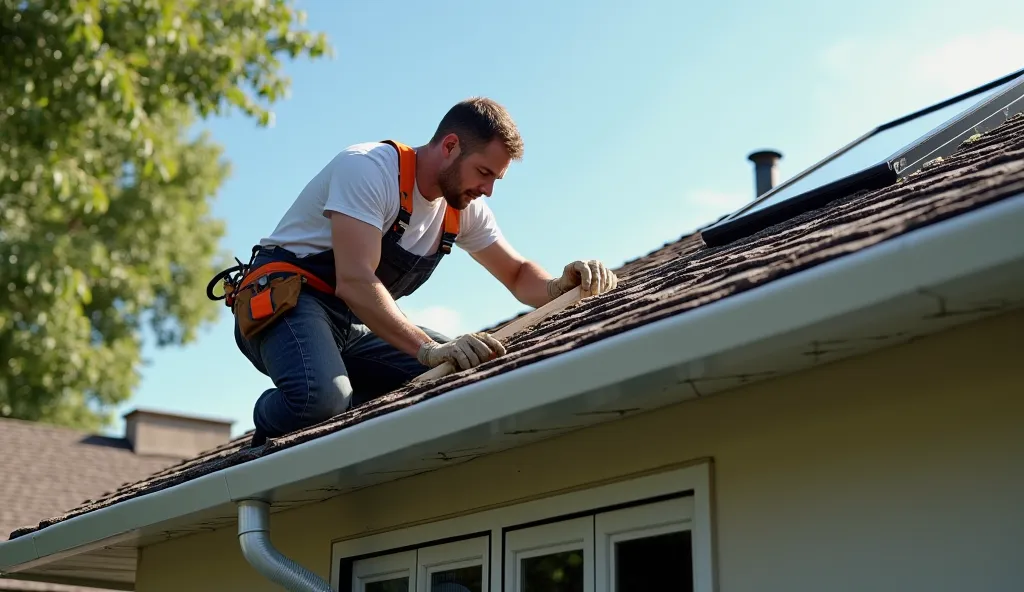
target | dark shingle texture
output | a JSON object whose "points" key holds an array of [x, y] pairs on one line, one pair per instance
{"points": [[683, 276]]}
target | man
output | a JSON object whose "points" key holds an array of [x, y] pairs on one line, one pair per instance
{"points": [[350, 234]]}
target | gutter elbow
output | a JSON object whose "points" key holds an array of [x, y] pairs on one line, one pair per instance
{"points": [[254, 539]]}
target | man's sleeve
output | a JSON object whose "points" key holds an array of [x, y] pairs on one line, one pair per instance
{"points": [[357, 187], [479, 227]]}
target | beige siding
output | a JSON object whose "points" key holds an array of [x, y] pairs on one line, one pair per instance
{"points": [[902, 470]]}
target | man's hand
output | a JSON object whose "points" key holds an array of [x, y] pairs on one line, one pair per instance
{"points": [[468, 351], [591, 276]]}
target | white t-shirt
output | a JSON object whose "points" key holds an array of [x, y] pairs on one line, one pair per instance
{"points": [[362, 182]]}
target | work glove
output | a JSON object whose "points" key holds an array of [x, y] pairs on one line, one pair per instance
{"points": [[592, 276], [468, 351]]}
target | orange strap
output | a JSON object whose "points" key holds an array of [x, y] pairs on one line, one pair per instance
{"points": [[451, 221], [406, 174], [281, 266], [406, 184]]}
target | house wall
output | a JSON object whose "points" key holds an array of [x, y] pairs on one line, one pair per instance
{"points": [[900, 470]]}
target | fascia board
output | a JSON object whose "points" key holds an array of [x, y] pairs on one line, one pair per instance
{"points": [[986, 238]]}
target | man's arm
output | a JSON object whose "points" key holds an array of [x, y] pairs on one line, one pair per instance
{"points": [[526, 280], [532, 285], [356, 255]]}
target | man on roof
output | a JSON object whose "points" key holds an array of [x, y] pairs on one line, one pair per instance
{"points": [[316, 309]]}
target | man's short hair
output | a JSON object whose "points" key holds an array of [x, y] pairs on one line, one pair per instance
{"points": [[478, 121]]}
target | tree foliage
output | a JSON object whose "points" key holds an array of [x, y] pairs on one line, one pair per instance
{"points": [[105, 191]]}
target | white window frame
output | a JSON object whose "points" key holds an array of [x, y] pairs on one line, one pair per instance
{"points": [[632, 523], [554, 537], [384, 567], [694, 479], [445, 556], [420, 564]]}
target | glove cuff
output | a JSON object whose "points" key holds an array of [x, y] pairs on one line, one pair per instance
{"points": [[555, 288], [423, 355]]}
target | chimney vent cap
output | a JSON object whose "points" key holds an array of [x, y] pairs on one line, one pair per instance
{"points": [[764, 155]]}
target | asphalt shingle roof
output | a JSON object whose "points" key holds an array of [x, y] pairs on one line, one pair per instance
{"points": [[678, 278], [45, 469]]}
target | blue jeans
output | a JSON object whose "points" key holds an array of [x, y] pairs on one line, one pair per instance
{"points": [[322, 360]]}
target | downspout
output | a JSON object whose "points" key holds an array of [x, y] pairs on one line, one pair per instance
{"points": [[254, 538]]}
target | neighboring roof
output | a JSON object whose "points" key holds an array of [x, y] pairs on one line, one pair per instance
{"points": [[678, 278], [47, 469]]}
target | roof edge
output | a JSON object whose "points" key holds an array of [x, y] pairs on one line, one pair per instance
{"points": [[983, 238]]}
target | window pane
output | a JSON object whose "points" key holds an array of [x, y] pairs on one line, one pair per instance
{"points": [[395, 585], [662, 562], [463, 579], [557, 572]]}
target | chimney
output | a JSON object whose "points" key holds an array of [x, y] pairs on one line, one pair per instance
{"points": [[155, 433], [765, 174]]}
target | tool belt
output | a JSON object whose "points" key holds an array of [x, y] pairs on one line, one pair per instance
{"points": [[257, 299]]}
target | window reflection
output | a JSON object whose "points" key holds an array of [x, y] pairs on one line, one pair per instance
{"points": [[557, 572], [463, 579]]}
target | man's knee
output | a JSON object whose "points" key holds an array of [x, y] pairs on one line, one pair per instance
{"points": [[329, 397], [296, 404]]}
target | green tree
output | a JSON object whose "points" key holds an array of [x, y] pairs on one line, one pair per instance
{"points": [[105, 189]]}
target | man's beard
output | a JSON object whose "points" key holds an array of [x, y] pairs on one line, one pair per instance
{"points": [[450, 181]]}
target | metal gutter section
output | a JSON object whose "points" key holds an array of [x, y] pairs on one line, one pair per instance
{"points": [[254, 538], [984, 239]]}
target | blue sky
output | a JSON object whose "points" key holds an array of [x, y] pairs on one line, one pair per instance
{"points": [[637, 119]]}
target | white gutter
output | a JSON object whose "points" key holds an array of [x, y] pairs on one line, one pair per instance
{"points": [[982, 239]]}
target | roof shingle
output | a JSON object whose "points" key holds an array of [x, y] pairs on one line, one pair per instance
{"points": [[680, 277], [47, 469]]}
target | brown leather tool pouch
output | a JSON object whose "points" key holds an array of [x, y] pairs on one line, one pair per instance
{"points": [[258, 306]]}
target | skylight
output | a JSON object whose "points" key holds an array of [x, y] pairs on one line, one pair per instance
{"points": [[879, 157]]}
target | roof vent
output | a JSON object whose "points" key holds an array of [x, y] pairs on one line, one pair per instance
{"points": [[155, 433], [765, 173]]}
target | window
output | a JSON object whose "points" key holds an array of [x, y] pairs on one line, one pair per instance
{"points": [[646, 547], [459, 566], [557, 557], [454, 567], [391, 573], [648, 533]]}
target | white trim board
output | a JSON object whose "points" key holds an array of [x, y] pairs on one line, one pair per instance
{"points": [[695, 479]]}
